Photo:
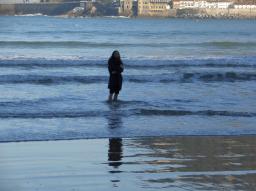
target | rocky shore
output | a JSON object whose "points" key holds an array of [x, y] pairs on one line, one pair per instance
{"points": [[99, 9]]}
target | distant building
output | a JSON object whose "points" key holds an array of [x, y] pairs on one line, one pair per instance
{"points": [[153, 7], [126, 7], [201, 4], [32, 1]]}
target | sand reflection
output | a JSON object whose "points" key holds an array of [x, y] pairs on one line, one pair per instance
{"points": [[197, 163]]}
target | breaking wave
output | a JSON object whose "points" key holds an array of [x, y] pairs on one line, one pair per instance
{"points": [[75, 44], [200, 113], [243, 62], [47, 80], [132, 112], [83, 44], [157, 78], [228, 44]]}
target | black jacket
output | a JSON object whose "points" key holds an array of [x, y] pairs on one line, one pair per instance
{"points": [[115, 68]]}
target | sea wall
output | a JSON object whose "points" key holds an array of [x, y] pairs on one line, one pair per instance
{"points": [[235, 13], [7, 9], [32, 8], [217, 13]]}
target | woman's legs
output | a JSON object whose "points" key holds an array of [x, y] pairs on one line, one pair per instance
{"points": [[115, 97], [110, 97], [111, 93]]}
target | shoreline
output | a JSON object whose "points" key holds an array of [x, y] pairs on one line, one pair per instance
{"points": [[131, 138], [179, 163], [132, 18]]}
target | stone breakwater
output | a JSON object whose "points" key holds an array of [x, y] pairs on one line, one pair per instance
{"points": [[216, 13], [32, 8]]}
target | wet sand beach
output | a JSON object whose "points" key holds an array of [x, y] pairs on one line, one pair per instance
{"points": [[166, 163]]}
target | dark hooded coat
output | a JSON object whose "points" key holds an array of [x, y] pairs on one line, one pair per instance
{"points": [[115, 68]]}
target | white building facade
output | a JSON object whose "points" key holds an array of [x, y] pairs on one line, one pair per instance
{"points": [[196, 4]]}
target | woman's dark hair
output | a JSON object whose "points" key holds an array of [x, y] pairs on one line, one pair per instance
{"points": [[114, 52], [117, 60]]}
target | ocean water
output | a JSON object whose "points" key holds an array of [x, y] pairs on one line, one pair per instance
{"points": [[182, 77]]}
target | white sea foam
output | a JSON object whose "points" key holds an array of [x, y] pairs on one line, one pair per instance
{"points": [[30, 15]]}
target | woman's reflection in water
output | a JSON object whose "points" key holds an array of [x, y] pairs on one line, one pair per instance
{"points": [[115, 151]]}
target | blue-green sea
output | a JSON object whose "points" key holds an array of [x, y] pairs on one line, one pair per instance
{"points": [[181, 77]]}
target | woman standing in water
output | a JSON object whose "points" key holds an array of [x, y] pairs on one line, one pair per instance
{"points": [[115, 68]]}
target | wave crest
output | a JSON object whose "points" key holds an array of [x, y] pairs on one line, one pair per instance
{"points": [[132, 112], [201, 113], [157, 78], [243, 62]]}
